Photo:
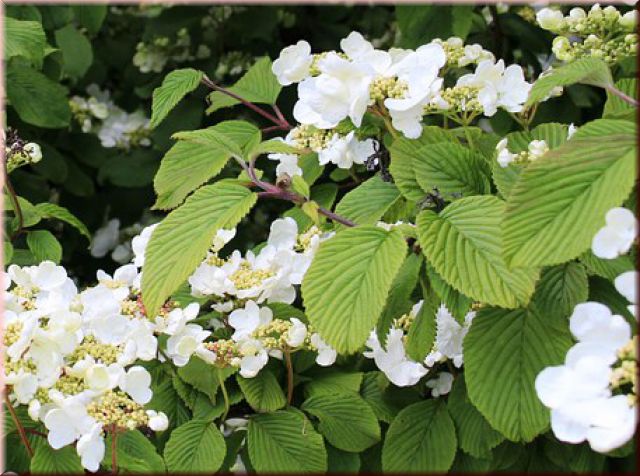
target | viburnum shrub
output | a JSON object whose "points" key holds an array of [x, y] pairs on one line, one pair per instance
{"points": [[468, 304]]}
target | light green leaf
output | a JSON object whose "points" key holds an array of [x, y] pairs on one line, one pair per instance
{"points": [[187, 165], [504, 352], [37, 99], [617, 108], [560, 288], [355, 268], [180, 242], [44, 246], [136, 454], [24, 38], [285, 441], [559, 202], [346, 420], [592, 71], [46, 460], [367, 203], [30, 214], [464, 245], [176, 85], [51, 210], [211, 138], [77, 53], [263, 392], [258, 85], [475, 435], [421, 439], [195, 447], [274, 146], [329, 382]]}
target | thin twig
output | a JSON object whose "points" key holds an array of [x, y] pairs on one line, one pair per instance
{"points": [[17, 209], [626, 98], [225, 395], [287, 358], [19, 427]]}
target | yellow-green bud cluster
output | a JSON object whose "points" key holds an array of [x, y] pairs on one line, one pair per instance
{"points": [[314, 69], [245, 277], [11, 333], [458, 99], [383, 88], [274, 334], [116, 408], [16, 366], [609, 50], [226, 351], [625, 371], [104, 353], [458, 54], [304, 240], [69, 385], [404, 322], [527, 13], [308, 137]]}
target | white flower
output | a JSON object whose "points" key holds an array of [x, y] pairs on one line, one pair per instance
{"points": [[571, 130], [222, 238], [105, 238], [158, 421], [440, 385], [67, 421], [100, 377], [245, 321], [594, 322], [137, 382], [293, 64], [288, 164], [626, 284], [254, 357], [139, 244], [393, 361], [549, 19], [504, 156], [617, 236], [346, 151], [449, 338], [537, 148], [296, 334], [34, 151], [90, 448], [326, 354], [182, 345], [24, 385], [628, 20], [283, 233], [498, 87], [359, 49]]}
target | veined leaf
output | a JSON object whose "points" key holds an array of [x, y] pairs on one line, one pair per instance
{"points": [[24, 38], [559, 202], [77, 52], [176, 85], [263, 392], [195, 447], [504, 352], [421, 439], [187, 165], [46, 460], [285, 441], [136, 454], [367, 203], [329, 382], [615, 107], [560, 288], [51, 210], [346, 420], [456, 303], [607, 268], [422, 332], [44, 246], [464, 245], [181, 240], [356, 268], [258, 85]]}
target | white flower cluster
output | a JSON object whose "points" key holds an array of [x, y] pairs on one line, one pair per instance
{"points": [[154, 56], [114, 126], [617, 236], [400, 369], [111, 238], [72, 357], [535, 150], [593, 395], [599, 33]]}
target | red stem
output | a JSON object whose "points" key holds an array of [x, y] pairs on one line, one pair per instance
{"points": [[16, 420]]}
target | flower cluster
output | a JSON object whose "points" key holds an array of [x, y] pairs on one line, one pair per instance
{"points": [[599, 33], [19, 152], [154, 56], [112, 238], [114, 126], [535, 150], [617, 236], [400, 369]]}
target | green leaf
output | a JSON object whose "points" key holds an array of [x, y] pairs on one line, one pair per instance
{"points": [[7, 253], [560, 288], [136, 454], [90, 16], [342, 462], [559, 201], [274, 146], [406, 153], [422, 332], [51, 210], [37, 99], [419, 24], [592, 71], [329, 382], [475, 435], [202, 376], [355, 269], [421, 439], [176, 85], [195, 447], [285, 441], [457, 303], [607, 268], [77, 53], [30, 214], [452, 169], [617, 108], [166, 399], [464, 245], [24, 38], [346, 420], [44, 246], [374, 391], [258, 85], [180, 242], [263, 392], [46, 460], [504, 352], [187, 165], [367, 203]]}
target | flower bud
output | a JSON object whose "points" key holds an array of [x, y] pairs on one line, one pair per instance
{"points": [[549, 19]]}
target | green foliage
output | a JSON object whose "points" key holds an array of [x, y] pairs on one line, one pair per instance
{"points": [[195, 447], [44, 246], [46, 460], [175, 86], [135, 454], [51, 210], [24, 38], [420, 24], [560, 288], [366, 204], [263, 392], [76, 51]]}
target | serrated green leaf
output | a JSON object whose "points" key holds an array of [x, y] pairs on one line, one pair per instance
{"points": [[46, 460], [456, 303], [51, 210], [44, 246], [367, 203], [464, 245], [136, 454], [181, 240], [187, 165], [24, 38], [356, 268], [263, 392], [203, 376], [616, 107], [559, 202], [285, 441], [504, 352], [166, 399], [421, 439], [258, 85], [592, 71], [175, 86], [560, 288], [77, 53], [373, 390], [422, 332], [330, 382], [195, 447], [346, 420], [607, 268], [274, 146]]}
